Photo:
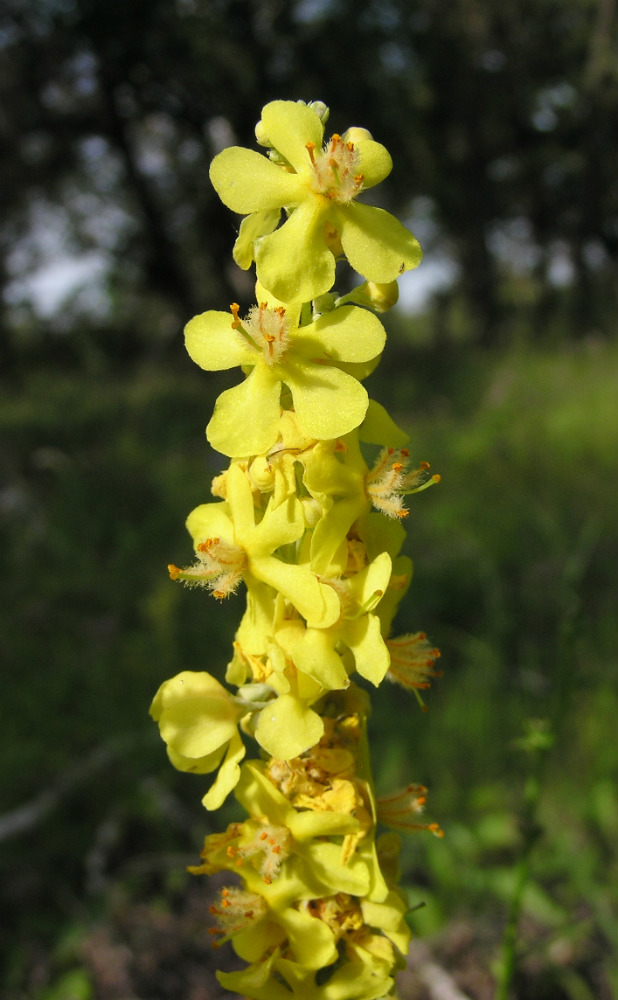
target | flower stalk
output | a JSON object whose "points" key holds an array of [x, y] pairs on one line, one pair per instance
{"points": [[307, 517]]}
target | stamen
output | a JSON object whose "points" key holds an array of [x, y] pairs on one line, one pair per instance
{"points": [[265, 329], [397, 810], [220, 567], [335, 170], [236, 910], [412, 662], [234, 309], [388, 480]]}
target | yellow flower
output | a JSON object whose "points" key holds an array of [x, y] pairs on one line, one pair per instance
{"points": [[278, 351], [283, 852], [277, 978], [199, 722], [249, 545], [317, 185]]}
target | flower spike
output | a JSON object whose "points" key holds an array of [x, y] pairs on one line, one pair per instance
{"points": [[315, 536]]}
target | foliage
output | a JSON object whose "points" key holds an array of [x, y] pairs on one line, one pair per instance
{"points": [[93, 468], [503, 114]]}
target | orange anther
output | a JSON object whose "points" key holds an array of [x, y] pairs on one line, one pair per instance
{"points": [[173, 571], [234, 309], [424, 466], [310, 146]]}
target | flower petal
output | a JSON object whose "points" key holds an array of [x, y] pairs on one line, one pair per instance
{"points": [[199, 765], [248, 182], [375, 242], [364, 637], [328, 402], [289, 126], [294, 262], [375, 162], [346, 334], [228, 775], [210, 520], [312, 652], [311, 941], [287, 727], [251, 228], [378, 427], [317, 602], [246, 418], [330, 533], [279, 526], [198, 726], [389, 916], [240, 500], [352, 877], [214, 345], [255, 981]]}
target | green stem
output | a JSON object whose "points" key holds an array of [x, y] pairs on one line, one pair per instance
{"points": [[531, 833]]}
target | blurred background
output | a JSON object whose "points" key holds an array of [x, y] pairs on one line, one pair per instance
{"points": [[502, 363]]}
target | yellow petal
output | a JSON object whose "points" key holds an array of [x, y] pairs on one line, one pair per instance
{"points": [[375, 162], [328, 402], [245, 421], [248, 182], [287, 727], [214, 345], [294, 262], [252, 228], [312, 652], [345, 334], [375, 242], [228, 775], [289, 127]]}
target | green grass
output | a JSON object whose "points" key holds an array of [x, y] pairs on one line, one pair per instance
{"points": [[515, 579]]}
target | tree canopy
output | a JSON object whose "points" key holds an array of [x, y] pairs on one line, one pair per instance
{"points": [[502, 118]]}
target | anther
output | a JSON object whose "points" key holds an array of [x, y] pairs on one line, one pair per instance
{"points": [[234, 309]]}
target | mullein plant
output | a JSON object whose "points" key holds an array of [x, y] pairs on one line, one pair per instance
{"points": [[311, 524]]}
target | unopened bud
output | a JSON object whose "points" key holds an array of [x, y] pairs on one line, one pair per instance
{"points": [[356, 134], [321, 110], [377, 297], [261, 135]]}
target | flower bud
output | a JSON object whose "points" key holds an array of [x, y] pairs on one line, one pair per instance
{"points": [[377, 297], [355, 134], [321, 110]]}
